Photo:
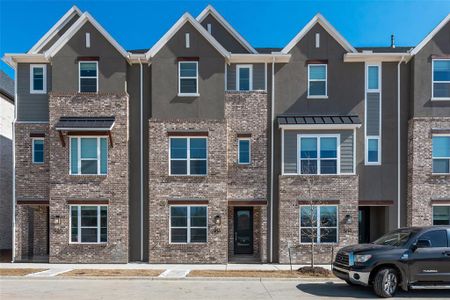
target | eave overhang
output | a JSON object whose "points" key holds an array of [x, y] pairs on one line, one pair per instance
{"points": [[377, 57]]}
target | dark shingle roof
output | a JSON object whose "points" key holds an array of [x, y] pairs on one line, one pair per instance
{"points": [[384, 49], [85, 123], [6, 85], [318, 119], [138, 51], [268, 50]]}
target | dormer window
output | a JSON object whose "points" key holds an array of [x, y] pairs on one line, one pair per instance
{"points": [[441, 79], [88, 79], [317, 81]]}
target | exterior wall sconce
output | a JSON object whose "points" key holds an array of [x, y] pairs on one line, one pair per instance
{"points": [[217, 220], [57, 220], [348, 219]]}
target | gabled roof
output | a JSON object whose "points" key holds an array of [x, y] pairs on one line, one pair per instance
{"points": [[6, 85], [183, 20], [55, 29], [327, 26], [85, 17], [209, 10], [430, 35]]}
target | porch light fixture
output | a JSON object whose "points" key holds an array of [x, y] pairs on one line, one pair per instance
{"points": [[217, 220], [348, 219], [57, 220]]}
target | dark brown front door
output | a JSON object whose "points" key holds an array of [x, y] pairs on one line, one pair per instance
{"points": [[243, 230]]}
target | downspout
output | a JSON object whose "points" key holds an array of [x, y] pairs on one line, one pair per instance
{"points": [[13, 258], [271, 158], [141, 154], [398, 145]]}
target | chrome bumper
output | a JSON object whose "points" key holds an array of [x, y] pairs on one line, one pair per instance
{"points": [[361, 278]]}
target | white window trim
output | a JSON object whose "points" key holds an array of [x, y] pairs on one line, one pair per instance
{"points": [[318, 136], [378, 65], [317, 40], [79, 156], [44, 81], [433, 158], [208, 26], [32, 150], [188, 225], [367, 90], [79, 74], [88, 40], [188, 40], [249, 151], [318, 224], [432, 211], [79, 224], [326, 82], [250, 74], [366, 158], [180, 94], [433, 81], [188, 156]]}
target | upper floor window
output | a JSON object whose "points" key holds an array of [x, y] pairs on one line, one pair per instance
{"points": [[441, 154], [318, 223], [188, 156], [38, 79], [38, 150], [243, 151], [188, 78], [441, 79], [188, 224], [88, 224], [317, 81], [441, 215], [88, 156], [88, 81], [318, 154], [373, 153], [373, 78], [244, 76]]}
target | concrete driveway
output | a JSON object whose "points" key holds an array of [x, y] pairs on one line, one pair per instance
{"points": [[81, 289]]}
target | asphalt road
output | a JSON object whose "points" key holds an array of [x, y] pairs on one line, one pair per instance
{"points": [[81, 289]]}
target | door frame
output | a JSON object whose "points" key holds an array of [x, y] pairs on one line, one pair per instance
{"points": [[235, 221]]}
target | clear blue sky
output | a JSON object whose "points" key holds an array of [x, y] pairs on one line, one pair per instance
{"points": [[139, 24]]}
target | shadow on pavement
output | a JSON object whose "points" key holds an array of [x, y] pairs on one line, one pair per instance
{"points": [[331, 290]]}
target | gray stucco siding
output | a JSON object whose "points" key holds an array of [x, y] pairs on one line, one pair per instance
{"points": [[258, 77], [111, 64], [346, 147], [373, 114], [31, 107]]}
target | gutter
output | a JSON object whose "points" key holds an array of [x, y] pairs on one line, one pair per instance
{"points": [[398, 144], [141, 154], [272, 109], [13, 240]]}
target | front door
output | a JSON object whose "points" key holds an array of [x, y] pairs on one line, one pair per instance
{"points": [[243, 230]]}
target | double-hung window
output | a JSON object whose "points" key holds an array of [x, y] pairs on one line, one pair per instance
{"points": [[188, 78], [244, 151], [244, 76], [318, 154], [441, 79], [318, 223], [38, 150], [88, 155], [317, 81], [88, 224], [88, 79], [188, 224], [441, 215], [188, 156], [441, 154], [373, 153], [38, 79]]}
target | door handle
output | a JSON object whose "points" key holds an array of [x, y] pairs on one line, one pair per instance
{"points": [[446, 253], [235, 236]]}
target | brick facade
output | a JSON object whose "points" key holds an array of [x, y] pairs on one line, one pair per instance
{"points": [[423, 186], [342, 188], [112, 187]]}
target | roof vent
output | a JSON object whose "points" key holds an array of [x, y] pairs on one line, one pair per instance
{"points": [[392, 41]]}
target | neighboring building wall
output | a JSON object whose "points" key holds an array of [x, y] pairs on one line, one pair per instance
{"points": [[424, 188], [6, 171], [112, 187], [321, 190], [163, 188]]}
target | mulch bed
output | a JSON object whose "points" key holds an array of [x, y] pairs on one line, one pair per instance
{"points": [[19, 271]]}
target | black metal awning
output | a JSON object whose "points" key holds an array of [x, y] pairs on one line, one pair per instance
{"points": [[319, 120], [85, 126]]}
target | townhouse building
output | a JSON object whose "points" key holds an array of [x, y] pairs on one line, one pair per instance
{"points": [[204, 149]]}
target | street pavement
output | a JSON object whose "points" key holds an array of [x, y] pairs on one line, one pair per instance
{"points": [[132, 289]]}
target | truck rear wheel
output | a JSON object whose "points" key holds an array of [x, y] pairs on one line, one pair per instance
{"points": [[385, 283]]}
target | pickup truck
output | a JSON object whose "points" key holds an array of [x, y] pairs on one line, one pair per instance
{"points": [[409, 258]]}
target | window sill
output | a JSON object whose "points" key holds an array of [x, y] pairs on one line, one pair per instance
{"points": [[440, 174], [97, 244], [186, 175], [440, 99], [88, 175], [317, 175], [188, 95], [372, 164], [38, 92], [317, 97]]}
